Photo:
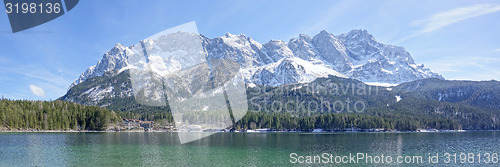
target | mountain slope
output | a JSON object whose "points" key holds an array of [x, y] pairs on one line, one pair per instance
{"points": [[418, 100], [484, 94]]}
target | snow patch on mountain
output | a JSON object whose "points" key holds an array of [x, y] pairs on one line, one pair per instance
{"points": [[98, 93], [398, 98], [381, 84], [291, 70]]}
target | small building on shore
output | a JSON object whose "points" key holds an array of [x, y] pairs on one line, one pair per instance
{"points": [[147, 125]]}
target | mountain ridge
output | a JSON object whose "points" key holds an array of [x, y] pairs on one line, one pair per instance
{"points": [[355, 54]]}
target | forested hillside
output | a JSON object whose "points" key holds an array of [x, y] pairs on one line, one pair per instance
{"points": [[53, 115], [341, 122]]}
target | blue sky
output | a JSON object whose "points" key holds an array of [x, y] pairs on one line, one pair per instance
{"points": [[457, 39]]}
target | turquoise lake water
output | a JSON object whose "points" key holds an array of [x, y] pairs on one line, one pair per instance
{"points": [[246, 149]]}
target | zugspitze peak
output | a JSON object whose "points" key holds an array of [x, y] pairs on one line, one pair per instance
{"points": [[355, 54]]}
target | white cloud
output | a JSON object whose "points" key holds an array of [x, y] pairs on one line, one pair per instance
{"points": [[497, 50], [443, 19], [55, 83], [37, 91], [446, 18]]}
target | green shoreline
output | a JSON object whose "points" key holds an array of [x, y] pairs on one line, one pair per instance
{"points": [[325, 132]]}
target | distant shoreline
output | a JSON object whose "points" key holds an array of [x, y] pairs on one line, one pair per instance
{"points": [[325, 132], [47, 131]]}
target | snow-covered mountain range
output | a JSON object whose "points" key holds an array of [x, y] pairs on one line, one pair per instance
{"points": [[136, 78], [355, 54]]}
